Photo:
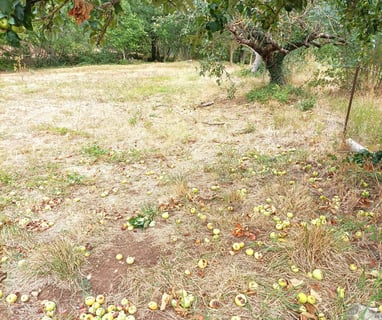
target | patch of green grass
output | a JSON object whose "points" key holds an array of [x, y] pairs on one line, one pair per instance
{"points": [[61, 131], [95, 150], [75, 178], [282, 94], [306, 104], [5, 178]]}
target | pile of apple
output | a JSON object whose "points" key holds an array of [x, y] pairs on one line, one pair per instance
{"points": [[95, 308], [9, 24]]}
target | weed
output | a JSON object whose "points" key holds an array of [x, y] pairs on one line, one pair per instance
{"points": [[94, 150], [5, 177], [145, 217], [306, 104]]}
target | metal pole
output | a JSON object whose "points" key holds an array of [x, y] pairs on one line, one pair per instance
{"points": [[351, 100]]}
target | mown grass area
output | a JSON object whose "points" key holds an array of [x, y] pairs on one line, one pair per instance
{"points": [[184, 204]]}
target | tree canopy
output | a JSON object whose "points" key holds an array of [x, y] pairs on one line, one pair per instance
{"points": [[271, 28]]}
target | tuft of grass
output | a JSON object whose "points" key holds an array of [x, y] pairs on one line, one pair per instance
{"points": [[59, 259], [317, 246]]}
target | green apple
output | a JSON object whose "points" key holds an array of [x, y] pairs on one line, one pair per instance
{"points": [[235, 318], [241, 300], [340, 292], [1, 294], [11, 298], [311, 299], [302, 298], [132, 309], [282, 283], [294, 268], [119, 256], [353, 267], [111, 308], [100, 312], [50, 306], [4, 23], [317, 274]]}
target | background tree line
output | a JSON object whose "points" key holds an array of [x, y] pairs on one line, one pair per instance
{"points": [[338, 34]]}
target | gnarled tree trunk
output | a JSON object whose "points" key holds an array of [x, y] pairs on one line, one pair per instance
{"points": [[274, 64]]}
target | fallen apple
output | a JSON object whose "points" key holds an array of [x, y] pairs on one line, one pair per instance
{"points": [[130, 260], [132, 309], [49, 306], [294, 268], [89, 300], [152, 305], [24, 298], [11, 298], [124, 302], [202, 263], [111, 308], [311, 299], [119, 256], [216, 231], [100, 311], [282, 282], [317, 274], [165, 215], [235, 318], [249, 252], [353, 267], [236, 246], [100, 298], [241, 300], [302, 298], [252, 286]]}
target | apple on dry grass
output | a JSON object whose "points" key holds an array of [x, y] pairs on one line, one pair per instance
{"points": [[11, 298], [241, 300], [152, 305]]}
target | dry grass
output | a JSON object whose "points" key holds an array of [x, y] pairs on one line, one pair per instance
{"points": [[85, 150]]}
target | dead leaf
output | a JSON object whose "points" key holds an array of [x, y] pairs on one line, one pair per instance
{"points": [[80, 11], [164, 301], [296, 282]]}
